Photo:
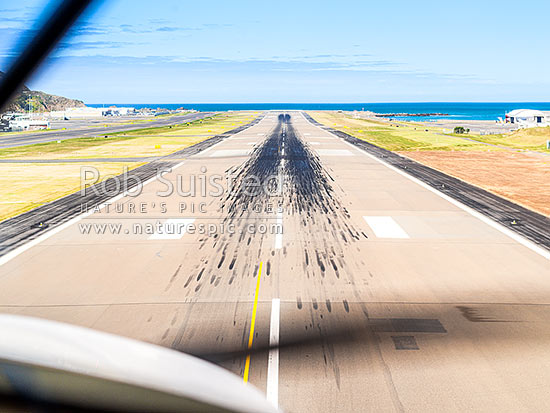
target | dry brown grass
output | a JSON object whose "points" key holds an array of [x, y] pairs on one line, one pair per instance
{"points": [[521, 178]]}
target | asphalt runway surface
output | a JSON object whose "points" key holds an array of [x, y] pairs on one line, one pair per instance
{"points": [[86, 129], [379, 294]]}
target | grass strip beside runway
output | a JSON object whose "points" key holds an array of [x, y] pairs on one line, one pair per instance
{"points": [[25, 185], [156, 141], [395, 136]]}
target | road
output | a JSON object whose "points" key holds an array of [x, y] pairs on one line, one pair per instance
{"points": [[86, 128], [379, 294]]}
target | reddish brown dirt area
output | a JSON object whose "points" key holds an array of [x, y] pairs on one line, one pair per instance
{"points": [[523, 179]]}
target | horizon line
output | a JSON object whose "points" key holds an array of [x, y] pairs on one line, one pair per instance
{"points": [[314, 103]]}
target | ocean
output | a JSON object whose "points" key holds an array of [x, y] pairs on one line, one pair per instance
{"points": [[454, 110]]}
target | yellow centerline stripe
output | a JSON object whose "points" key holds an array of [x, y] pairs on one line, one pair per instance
{"points": [[252, 324]]}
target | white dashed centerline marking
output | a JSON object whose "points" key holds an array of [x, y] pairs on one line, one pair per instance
{"points": [[272, 391], [279, 222], [386, 227]]}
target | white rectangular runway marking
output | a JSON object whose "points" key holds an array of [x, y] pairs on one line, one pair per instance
{"points": [[173, 228], [516, 237], [334, 152], [272, 390], [229, 152], [279, 226], [386, 227]]}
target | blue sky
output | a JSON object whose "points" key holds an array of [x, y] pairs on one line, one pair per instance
{"points": [[134, 51]]}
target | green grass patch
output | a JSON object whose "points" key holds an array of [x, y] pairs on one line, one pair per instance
{"points": [[395, 137], [533, 139], [152, 141]]}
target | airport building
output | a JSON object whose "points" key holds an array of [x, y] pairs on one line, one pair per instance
{"points": [[528, 118], [90, 113], [18, 122]]}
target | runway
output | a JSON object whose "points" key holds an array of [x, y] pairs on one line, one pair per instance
{"points": [[322, 275], [81, 131]]}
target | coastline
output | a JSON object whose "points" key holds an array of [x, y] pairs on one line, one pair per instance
{"points": [[489, 111], [444, 123]]}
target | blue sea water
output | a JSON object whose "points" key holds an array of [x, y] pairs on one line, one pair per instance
{"points": [[454, 110]]}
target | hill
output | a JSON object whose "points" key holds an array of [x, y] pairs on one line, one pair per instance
{"points": [[41, 101]]}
